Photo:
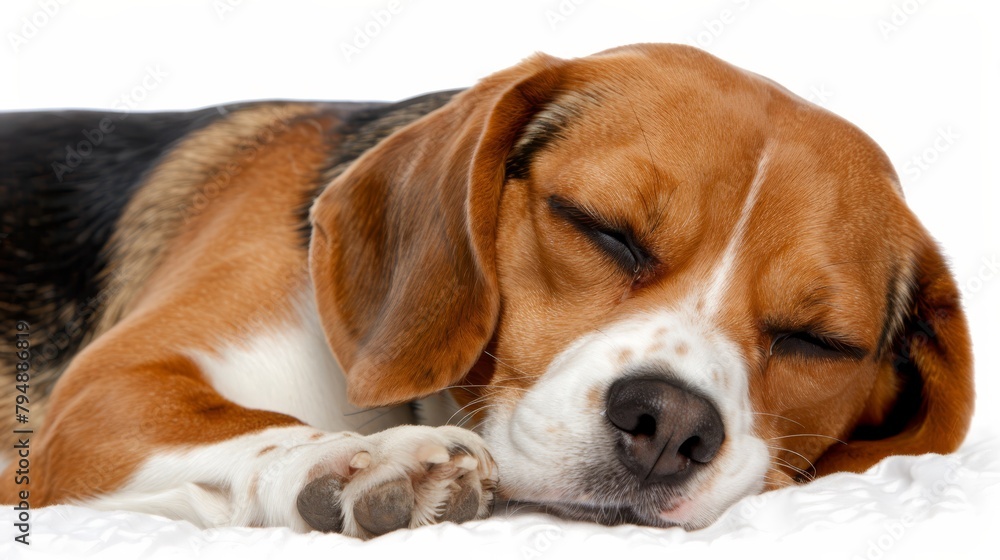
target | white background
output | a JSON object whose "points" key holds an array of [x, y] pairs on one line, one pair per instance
{"points": [[922, 78], [910, 73]]}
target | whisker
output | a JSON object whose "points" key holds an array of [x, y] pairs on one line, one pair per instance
{"points": [[782, 477], [802, 472], [771, 480], [370, 420], [780, 416], [466, 388], [494, 386], [471, 414], [811, 435], [518, 506], [362, 411], [607, 336], [474, 412], [478, 425], [470, 403], [499, 361], [803, 457]]}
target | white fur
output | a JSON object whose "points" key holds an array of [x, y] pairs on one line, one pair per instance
{"points": [[255, 479], [723, 273], [553, 426], [289, 368]]}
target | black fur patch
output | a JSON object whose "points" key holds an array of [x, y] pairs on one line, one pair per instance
{"points": [[897, 299], [65, 178], [546, 127], [900, 326], [539, 134], [369, 126], [364, 126]]}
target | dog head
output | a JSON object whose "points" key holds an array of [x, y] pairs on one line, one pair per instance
{"points": [[659, 282]]}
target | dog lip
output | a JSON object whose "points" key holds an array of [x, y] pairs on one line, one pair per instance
{"points": [[684, 507], [678, 512], [587, 507]]}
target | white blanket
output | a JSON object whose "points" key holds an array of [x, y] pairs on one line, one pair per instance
{"points": [[930, 506]]}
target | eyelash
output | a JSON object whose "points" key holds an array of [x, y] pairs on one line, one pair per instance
{"points": [[811, 345], [618, 244]]}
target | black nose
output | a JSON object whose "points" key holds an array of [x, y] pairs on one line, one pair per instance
{"points": [[662, 428]]}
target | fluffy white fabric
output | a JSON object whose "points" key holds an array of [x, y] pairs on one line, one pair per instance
{"points": [[930, 506]]}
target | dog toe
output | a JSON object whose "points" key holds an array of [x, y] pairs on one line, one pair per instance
{"points": [[385, 508], [319, 504]]}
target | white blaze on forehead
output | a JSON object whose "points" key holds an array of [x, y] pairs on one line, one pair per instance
{"points": [[720, 278], [561, 421]]}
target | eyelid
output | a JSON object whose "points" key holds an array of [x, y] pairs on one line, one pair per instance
{"points": [[826, 343], [594, 225], [572, 211]]}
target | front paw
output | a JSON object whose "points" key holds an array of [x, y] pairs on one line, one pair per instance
{"points": [[404, 477]]}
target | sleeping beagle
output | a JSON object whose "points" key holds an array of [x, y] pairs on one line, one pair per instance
{"points": [[646, 282]]}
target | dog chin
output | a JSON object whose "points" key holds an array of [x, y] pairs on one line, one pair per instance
{"points": [[677, 513]]}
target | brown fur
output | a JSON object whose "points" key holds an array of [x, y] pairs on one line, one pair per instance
{"points": [[211, 277], [171, 196], [556, 288], [423, 256]]}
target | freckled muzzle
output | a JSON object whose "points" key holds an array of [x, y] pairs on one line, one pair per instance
{"points": [[664, 432]]}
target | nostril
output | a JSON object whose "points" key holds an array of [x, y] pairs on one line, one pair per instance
{"points": [[698, 450], [689, 447], [645, 427], [663, 427]]}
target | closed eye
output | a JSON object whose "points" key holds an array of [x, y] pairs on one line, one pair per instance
{"points": [[618, 243], [811, 345]]}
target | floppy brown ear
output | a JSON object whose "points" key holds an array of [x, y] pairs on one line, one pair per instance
{"points": [[930, 373], [402, 250]]}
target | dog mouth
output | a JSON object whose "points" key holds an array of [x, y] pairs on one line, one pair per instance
{"points": [[603, 514], [608, 503]]}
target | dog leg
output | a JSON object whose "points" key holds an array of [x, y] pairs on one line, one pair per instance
{"points": [[302, 478], [181, 450]]}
